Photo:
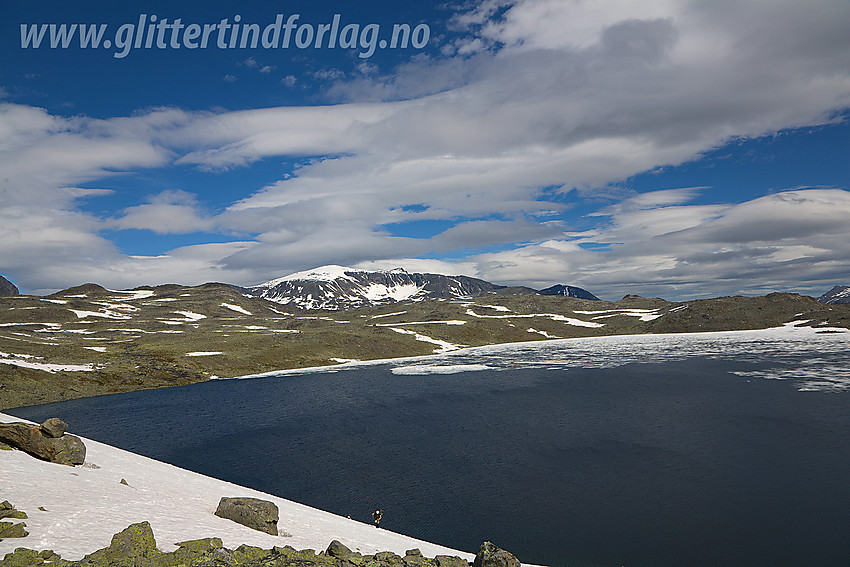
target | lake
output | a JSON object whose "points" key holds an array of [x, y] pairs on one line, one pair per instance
{"points": [[718, 449]]}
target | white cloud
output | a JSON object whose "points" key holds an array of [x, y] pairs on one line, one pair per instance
{"points": [[789, 241], [169, 212]]}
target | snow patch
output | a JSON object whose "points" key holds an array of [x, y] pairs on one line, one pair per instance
{"points": [[27, 361], [444, 345], [236, 308]]}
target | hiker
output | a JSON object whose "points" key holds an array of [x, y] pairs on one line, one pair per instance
{"points": [[377, 515]]}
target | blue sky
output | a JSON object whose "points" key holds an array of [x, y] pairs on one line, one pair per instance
{"points": [[675, 148]]}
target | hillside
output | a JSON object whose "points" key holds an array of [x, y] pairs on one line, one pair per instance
{"points": [[87, 340]]}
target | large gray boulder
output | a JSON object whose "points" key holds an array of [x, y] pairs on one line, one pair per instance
{"points": [[40, 441], [491, 556], [252, 512]]}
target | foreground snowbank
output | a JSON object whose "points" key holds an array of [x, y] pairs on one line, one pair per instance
{"points": [[83, 507]]}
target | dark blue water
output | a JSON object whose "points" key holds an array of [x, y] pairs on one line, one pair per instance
{"points": [[646, 465]]}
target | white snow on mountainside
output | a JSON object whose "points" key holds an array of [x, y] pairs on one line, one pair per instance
{"points": [[339, 287], [837, 295]]}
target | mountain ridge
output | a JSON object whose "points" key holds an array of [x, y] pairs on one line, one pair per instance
{"points": [[336, 287], [838, 295]]}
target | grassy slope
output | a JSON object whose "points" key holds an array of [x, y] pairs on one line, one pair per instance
{"points": [[145, 340]]}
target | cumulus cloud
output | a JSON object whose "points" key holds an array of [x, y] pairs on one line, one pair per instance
{"points": [[169, 212]]}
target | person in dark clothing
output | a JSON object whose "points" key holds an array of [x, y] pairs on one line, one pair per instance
{"points": [[377, 515]]}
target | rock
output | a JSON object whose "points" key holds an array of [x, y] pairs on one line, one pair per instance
{"points": [[49, 555], [133, 546], [65, 450], [8, 511], [450, 561], [54, 427], [336, 549], [491, 556], [22, 558], [249, 554], [415, 552], [388, 558], [201, 545], [252, 512], [9, 529]]}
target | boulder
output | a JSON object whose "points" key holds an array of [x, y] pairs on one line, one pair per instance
{"points": [[65, 450], [54, 427], [201, 545], [9, 529], [491, 556], [22, 557], [133, 546], [450, 561], [252, 512], [338, 550], [8, 511]]}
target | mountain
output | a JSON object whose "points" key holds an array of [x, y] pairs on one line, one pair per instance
{"points": [[7, 288], [838, 295], [338, 287], [568, 291]]}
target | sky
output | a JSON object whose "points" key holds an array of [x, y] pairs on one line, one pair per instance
{"points": [[673, 148]]}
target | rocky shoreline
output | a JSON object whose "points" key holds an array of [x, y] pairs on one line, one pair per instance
{"points": [[136, 547]]}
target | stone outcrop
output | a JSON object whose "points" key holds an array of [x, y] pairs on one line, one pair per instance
{"points": [[337, 549], [129, 548], [11, 529], [42, 441], [491, 556], [7, 510], [136, 547], [252, 512]]}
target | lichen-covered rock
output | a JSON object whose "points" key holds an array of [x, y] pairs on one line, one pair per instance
{"points": [[129, 548], [249, 554], [337, 549], [65, 450], [136, 547], [388, 558], [9, 529], [252, 512], [22, 558], [450, 561], [49, 555], [9, 511], [201, 545], [54, 427], [491, 556]]}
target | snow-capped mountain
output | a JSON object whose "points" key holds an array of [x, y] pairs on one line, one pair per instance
{"points": [[837, 295], [338, 287], [568, 291]]}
